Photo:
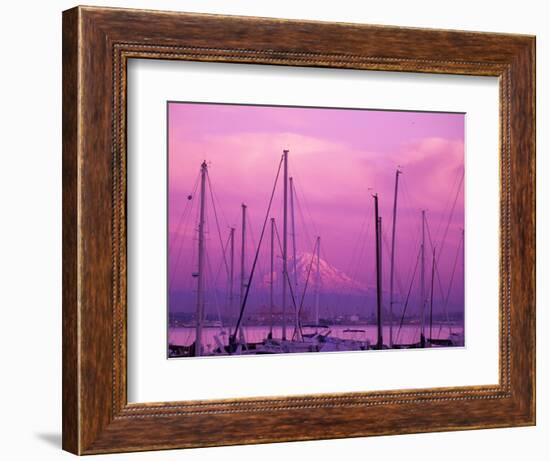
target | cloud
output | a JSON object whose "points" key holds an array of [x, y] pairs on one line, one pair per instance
{"points": [[243, 161], [334, 180]]}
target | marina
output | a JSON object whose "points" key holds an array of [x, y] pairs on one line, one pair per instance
{"points": [[267, 287]]}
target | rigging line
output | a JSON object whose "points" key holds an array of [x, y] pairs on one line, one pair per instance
{"points": [[262, 270], [191, 285], [219, 269], [236, 218], [458, 189], [305, 236], [408, 211], [187, 210], [459, 247], [359, 245], [407, 196], [436, 268], [219, 204], [456, 185], [307, 279], [306, 203], [439, 283], [301, 214], [362, 250], [228, 280], [356, 263], [415, 244], [412, 209], [357, 260], [432, 245], [447, 204], [309, 241], [187, 206], [398, 278], [396, 274], [194, 250], [217, 221], [408, 294], [287, 276], [245, 298], [216, 303]]}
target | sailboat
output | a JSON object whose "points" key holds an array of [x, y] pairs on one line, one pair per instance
{"points": [[305, 338], [292, 335]]}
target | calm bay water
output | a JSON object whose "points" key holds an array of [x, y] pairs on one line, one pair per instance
{"points": [[185, 336]]}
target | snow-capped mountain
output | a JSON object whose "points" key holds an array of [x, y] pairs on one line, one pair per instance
{"points": [[332, 279]]}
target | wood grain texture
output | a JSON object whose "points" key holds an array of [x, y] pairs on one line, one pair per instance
{"points": [[97, 43], [70, 383]]}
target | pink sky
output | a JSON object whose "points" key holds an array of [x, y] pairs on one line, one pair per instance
{"points": [[338, 158]]}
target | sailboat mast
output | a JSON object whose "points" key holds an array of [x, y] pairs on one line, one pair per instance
{"points": [[243, 250], [381, 272], [243, 254], [271, 278], [463, 272], [285, 232], [379, 341], [231, 270], [318, 281], [392, 260], [381, 276], [432, 294], [293, 228], [294, 266], [200, 280], [422, 287]]}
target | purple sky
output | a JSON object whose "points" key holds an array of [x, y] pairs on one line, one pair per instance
{"points": [[338, 158]]}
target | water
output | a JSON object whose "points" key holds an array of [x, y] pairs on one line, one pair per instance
{"points": [[185, 336]]}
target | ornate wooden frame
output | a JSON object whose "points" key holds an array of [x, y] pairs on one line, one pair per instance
{"points": [[97, 43]]}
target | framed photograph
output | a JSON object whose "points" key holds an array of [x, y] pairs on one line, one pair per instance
{"points": [[281, 230]]}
